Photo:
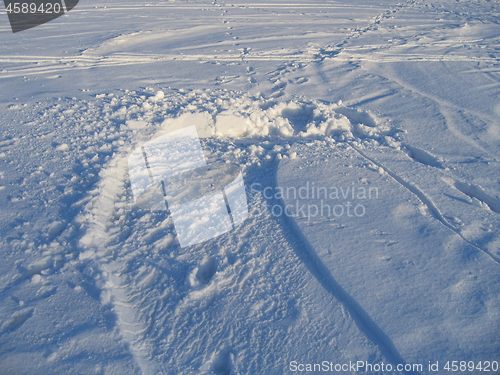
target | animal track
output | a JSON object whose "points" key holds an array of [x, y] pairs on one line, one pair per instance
{"points": [[477, 192], [283, 76], [17, 319], [301, 80], [207, 270], [224, 363], [374, 23], [423, 156]]}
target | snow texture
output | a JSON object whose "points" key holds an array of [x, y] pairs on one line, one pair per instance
{"points": [[215, 187]]}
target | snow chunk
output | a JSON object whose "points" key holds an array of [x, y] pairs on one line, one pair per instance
{"points": [[228, 124], [203, 122], [159, 96], [63, 147], [136, 124]]}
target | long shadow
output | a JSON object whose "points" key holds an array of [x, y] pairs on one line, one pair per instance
{"points": [[306, 253]]}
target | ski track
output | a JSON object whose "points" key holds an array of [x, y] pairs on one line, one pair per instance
{"points": [[48, 65], [445, 107], [343, 51]]}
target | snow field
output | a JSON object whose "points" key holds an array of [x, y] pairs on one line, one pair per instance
{"points": [[398, 96]]}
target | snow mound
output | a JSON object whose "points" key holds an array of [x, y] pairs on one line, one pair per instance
{"points": [[219, 113], [230, 114]]}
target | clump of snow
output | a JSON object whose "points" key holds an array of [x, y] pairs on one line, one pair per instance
{"points": [[136, 124], [159, 96], [63, 147]]}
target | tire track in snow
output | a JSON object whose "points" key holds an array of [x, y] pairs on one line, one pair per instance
{"points": [[94, 245], [49, 65], [425, 200], [309, 257], [40, 65]]}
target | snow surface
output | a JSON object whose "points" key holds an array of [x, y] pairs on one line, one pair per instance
{"points": [[390, 107]]}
